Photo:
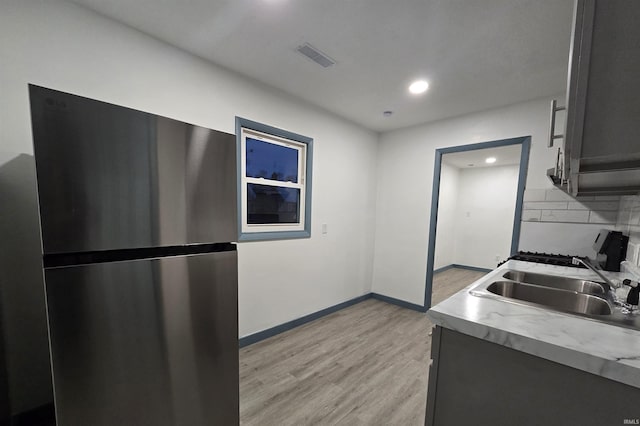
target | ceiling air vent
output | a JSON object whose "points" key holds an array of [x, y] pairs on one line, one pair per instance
{"points": [[315, 55]]}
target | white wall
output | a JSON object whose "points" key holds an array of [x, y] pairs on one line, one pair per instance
{"points": [[405, 161], [65, 47], [574, 239], [484, 215], [446, 230], [475, 215]]}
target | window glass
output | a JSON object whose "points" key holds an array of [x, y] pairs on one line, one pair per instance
{"points": [[274, 182], [272, 204], [271, 161]]}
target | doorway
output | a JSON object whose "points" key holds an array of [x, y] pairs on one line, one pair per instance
{"points": [[476, 207]]}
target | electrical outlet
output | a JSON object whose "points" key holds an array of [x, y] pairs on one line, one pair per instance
{"points": [[497, 258]]}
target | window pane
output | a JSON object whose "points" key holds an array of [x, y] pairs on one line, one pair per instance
{"points": [[271, 161], [272, 204]]}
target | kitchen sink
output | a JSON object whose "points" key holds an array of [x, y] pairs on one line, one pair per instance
{"points": [[558, 282], [562, 300], [573, 296]]}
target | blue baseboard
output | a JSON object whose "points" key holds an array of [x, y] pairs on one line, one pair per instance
{"points": [[265, 334], [455, 265], [398, 302], [444, 268], [471, 268]]}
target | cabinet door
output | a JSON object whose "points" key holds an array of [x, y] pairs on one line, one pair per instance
{"points": [[603, 98], [612, 110], [483, 383]]}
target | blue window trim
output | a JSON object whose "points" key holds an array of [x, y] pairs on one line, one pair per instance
{"points": [[275, 235]]}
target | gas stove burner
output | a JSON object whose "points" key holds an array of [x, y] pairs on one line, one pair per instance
{"points": [[546, 258]]}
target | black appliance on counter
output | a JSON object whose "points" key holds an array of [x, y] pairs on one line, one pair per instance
{"points": [[138, 214], [611, 249]]}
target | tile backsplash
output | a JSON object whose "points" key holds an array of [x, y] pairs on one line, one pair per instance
{"points": [[554, 205], [612, 212]]}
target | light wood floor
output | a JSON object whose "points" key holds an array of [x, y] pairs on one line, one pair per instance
{"points": [[446, 283], [363, 365]]}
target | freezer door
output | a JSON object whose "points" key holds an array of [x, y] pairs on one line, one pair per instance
{"points": [[146, 342], [111, 177]]}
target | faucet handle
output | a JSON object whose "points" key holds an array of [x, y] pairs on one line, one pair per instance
{"points": [[633, 296], [589, 265]]}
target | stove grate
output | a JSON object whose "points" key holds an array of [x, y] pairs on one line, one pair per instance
{"points": [[546, 258]]}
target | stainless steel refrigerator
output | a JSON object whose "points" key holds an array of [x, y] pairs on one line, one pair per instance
{"points": [[138, 218]]}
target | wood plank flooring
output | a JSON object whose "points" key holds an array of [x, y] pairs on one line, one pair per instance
{"points": [[446, 283], [363, 365]]}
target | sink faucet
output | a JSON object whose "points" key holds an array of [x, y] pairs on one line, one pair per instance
{"points": [[586, 262]]}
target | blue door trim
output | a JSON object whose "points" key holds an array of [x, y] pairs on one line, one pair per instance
{"points": [[525, 141]]}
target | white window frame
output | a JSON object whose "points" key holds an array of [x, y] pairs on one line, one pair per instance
{"points": [[303, 145]]}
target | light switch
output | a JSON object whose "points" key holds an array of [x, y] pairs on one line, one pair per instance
{"points": [[324, 228]]}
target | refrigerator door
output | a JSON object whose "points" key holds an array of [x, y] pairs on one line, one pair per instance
{"points": [[146, 342], [112, 178]]}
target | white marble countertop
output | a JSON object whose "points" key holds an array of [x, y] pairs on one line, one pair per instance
{"points": [[606, 350]]}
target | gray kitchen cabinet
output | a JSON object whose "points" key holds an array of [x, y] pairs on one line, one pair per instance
{"points": [[601, 143], [476, 382]]}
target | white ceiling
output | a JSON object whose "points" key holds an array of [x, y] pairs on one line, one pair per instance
{"points": [[476, 54], [505, 156]]}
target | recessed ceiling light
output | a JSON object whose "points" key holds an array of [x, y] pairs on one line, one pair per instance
{"points": [[418, 87], [490, 160]]}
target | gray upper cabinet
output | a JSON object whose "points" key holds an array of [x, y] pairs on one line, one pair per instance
{"points": [[601, 152]]}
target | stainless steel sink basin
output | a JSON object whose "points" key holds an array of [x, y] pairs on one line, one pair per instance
{"points": [[563, 300], [556, 281], [572, 296]]}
